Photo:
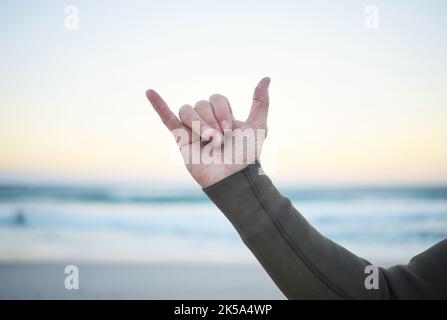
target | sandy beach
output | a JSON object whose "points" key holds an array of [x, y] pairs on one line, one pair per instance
{"points": [[119, 281]]}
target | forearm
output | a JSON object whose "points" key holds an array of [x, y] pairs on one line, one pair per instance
{"points": [[303, 263]]}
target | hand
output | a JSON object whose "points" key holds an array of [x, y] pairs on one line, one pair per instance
{"points": [[210, 131]]}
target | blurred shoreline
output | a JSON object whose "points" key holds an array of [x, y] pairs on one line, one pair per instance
{"points": [[142, 243], [142, 225]]}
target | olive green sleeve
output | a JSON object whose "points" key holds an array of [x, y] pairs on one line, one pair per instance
{"points": [[303, 263]]}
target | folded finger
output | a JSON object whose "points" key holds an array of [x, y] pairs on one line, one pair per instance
{"points": [[222, 112]]}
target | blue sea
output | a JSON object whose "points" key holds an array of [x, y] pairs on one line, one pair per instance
{"points": [[150, 225]]}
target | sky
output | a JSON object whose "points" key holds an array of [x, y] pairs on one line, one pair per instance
{"points": [[350, 103]]}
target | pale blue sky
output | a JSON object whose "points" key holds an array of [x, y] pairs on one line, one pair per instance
{"points": [[349, 105]]}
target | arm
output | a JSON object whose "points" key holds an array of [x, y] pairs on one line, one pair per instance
{"points": [[302, 262]]}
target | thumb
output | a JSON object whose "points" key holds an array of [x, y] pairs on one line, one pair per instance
{"points": [[260, 105]]}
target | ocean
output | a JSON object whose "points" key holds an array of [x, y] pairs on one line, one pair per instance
{"points": [[386, 225]]}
